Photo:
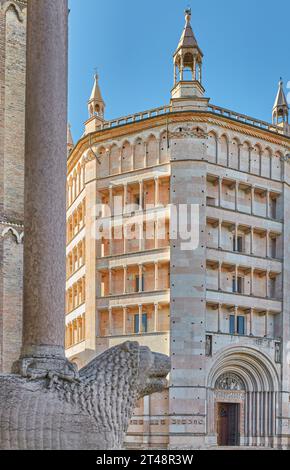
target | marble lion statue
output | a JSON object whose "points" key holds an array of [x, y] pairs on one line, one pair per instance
{"points": [[90, 414]]}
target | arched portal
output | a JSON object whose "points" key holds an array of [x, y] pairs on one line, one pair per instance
{"points": [[243, 390]]}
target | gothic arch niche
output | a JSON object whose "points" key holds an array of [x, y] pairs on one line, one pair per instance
{"points": [[115, 160], [245, 156], [152, 151], [103, 162], [277, 166], [164, 148], [249, 379], [212, 147], [256, 159], [224, 151], [139, 154], [235, 154], [126, 157], [11, 6], [266, 163]]}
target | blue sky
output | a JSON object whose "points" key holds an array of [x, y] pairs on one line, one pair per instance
{"points": [[245, 45]]}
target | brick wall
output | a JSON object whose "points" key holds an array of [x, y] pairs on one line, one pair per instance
{"points": [[12, 115]]}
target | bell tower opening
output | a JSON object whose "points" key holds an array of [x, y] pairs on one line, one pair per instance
{"points": [[187, 60]]}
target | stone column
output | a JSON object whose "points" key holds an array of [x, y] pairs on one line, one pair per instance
{"points": [[45, 189], [252, 282], [219, 317], [140, 278], [156, 192], [125, 273], [156, 307], [219, 276], [125, 202], [125, 309], [141, 195], [251, 321], [252, 200], [236, 195], [220, 191], [140, 310], [220, 234], [156, 274]]}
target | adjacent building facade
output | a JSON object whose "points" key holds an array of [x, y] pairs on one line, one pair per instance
{"points": [[12, 117], [217, 303]]}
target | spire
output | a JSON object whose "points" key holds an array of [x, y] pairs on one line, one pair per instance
{"points": [[187, 38], [96, 107], [280, 108], [96, 103], [70, 142], [188, 59]]}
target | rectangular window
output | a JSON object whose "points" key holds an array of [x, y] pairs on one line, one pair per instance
{"points": [[232, 324], [273, 247], [240, 285], [272, 288], [237, 326], [238, 244], [241, 325], [137, 284], [237, 287], [144, 323], [273, 206]]}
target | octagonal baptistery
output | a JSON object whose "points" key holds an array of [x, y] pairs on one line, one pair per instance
{"points": [[178, 229]]}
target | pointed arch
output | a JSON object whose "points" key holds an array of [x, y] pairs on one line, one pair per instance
{"points": [[223, 150], [266, 162], [212, 147], [103, 161], [126, 158], [234, 158], [115, 160], [164, 157], [245, 156], [256, 159], [139, 154], [14, 233], [152, 151], [277, 165], [9, 5]]}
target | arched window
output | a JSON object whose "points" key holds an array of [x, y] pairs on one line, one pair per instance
{"points": [[115, 163], [256, 158], [212, 148], [224, 151], [139, 154], [152, 151], [127, 164], [164, 148], [234, 154], [277, 166], [266, 163]]}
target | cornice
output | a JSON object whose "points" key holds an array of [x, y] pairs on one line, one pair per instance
{"points": [[207, 117]]}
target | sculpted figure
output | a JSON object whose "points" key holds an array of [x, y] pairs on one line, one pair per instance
{"points": [[92, 413]]}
